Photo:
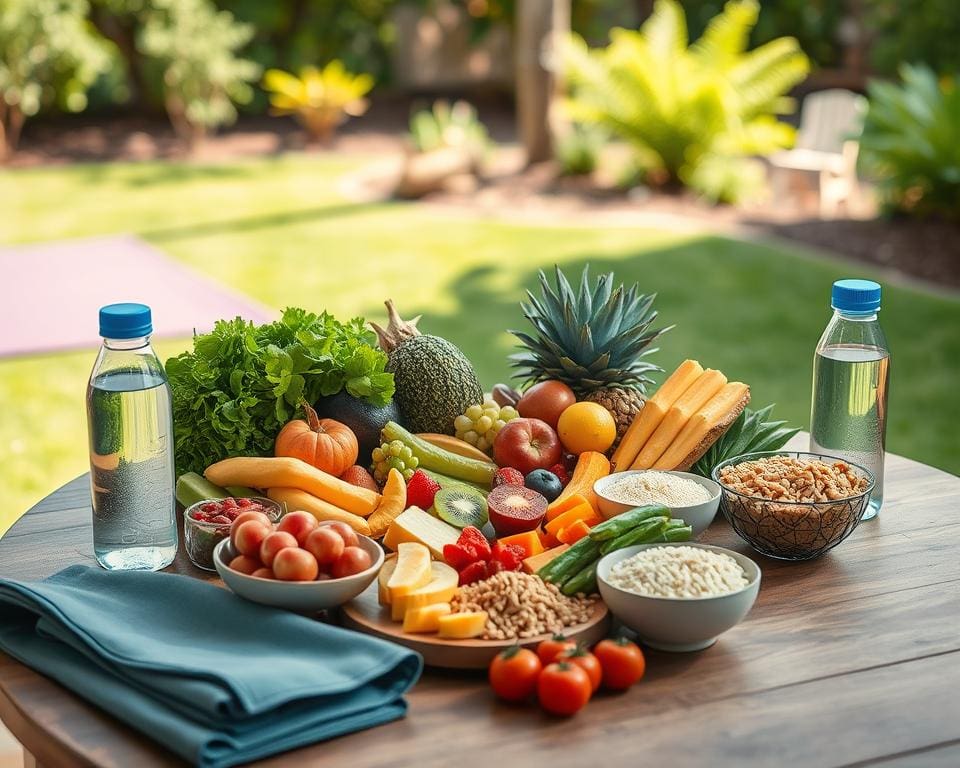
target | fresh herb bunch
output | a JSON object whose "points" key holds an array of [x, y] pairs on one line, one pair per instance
{"points": [[243, 382], [751, 432]]}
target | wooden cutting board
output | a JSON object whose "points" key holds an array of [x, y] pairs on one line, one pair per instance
{"points": [[364, 613]]}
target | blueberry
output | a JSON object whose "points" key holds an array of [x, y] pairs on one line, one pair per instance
{"points": [[544, 482]]}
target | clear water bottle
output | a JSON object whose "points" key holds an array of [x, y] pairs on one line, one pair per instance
{"points": [[130, 422], [851, 373]]}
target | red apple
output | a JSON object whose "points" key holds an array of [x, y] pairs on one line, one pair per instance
{"points": [[526, 445], [546, 401]]}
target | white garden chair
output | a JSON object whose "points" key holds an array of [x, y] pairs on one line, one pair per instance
{"points": [[830, 122]]}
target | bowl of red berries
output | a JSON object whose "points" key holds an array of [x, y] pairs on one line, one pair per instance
{"points": [[207, 523]]}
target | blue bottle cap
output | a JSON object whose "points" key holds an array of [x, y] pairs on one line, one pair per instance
{"points": [[125, 321], [855, 296]]}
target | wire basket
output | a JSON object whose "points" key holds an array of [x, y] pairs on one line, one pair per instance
{"points": [[792, 530]]}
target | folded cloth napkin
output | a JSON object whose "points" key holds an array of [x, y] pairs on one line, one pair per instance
{"points": [[212, 677]]}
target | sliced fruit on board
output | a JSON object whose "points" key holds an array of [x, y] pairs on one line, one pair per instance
{"points": [[573, 533], [412, 572], [440, 589], [691, 401], [461, 507], [284, 472], [461, 626], [425, 618], [383, 578], [581, 512], [515, 509], [528, 541], [653, 412], [705, 427], [415, 525], [440, 460], [295, 500], [535, 563], [591, 466], [454, 445], [560, 506]]}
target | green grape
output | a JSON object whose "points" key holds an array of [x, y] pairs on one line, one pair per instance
{"points": [[377, 455], [474, 412], [483, 425], [405, 453], [471, 437], [462, 423], [508, 413], [413, 462], [407, 474]]}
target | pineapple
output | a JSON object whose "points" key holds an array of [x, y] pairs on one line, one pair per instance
{"points": [[590, 339], [623, 402]]}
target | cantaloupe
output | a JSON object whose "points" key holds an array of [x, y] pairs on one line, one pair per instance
{"points": [[460, 626], [705, 427], [691, 401], [412, 572], [440, 589], [426, 618], [386, 571], [529, 541], [581, 512], [653, 412]]}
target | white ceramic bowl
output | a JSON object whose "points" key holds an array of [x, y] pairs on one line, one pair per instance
{"points": [[698, 516], [301, 596], [678, 624]]}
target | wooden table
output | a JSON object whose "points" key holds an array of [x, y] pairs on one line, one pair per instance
{"points": [[851, 659]]}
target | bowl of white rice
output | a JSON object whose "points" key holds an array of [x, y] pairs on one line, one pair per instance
{"points": [[679, 596], [690, 497]]}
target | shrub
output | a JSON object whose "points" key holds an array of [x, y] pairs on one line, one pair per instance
{"points": [[47, 55], [578, 149], [693, 113], [910, 142], [321, 99], [454, 126]]}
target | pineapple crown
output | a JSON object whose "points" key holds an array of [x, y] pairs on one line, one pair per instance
{"points": [[397, 331], [592, 338]]}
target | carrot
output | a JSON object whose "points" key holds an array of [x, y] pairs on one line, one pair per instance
{"points": [[284, 472], [297, 500]]}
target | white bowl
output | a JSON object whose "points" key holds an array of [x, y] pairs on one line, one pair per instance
{"points": [[301, 596], [697, 516], [678, 624]]}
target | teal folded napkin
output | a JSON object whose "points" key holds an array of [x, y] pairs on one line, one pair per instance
{"points": [[212, 677]]}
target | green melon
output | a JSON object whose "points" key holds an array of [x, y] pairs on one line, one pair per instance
{"points": [[435, 382]]}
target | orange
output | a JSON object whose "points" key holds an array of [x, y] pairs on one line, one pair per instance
{"points": [[587, 427]]}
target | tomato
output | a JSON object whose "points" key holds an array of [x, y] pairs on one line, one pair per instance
{"points": [[563, 688], [587, 662], [325, 544], [353, 560], [622, 663], [273, 544], [263, 573], [295, 564], [249, 536], [251, 514], [514, 673], [549, 649], [245, 564], [347, 533], [300, 524]]}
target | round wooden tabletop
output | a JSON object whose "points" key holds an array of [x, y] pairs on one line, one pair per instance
{"points": [[850, 659]]}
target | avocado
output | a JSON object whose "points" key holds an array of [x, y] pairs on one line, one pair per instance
{"points": [[364, 419]]}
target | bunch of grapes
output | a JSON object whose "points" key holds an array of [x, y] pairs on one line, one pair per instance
{"points": [[393, 455], [479, 424]]}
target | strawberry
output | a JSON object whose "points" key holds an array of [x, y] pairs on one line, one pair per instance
{"points": [[459, 556], [509, 556], [474, 572], [421, 488], [473, 538], [507, 476], [561, 472]]}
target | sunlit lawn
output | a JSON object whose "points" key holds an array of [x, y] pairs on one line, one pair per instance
{"points": [[278, 230]]}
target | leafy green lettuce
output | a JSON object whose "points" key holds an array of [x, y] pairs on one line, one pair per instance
{"points": [[242, 382]]}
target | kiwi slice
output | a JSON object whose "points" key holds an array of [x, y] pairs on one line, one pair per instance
{"points": [[461, 506]]}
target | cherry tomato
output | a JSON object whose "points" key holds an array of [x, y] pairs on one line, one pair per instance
{"points": [[622, 663], [249, 537], [300, 524], [587, 662], [251, 514], [245, 564], [514, 673], [346, 532], [273, 544], [549, 649], [563, 688], [263, 573], [325, 544], [353, 560], [295, 564]]}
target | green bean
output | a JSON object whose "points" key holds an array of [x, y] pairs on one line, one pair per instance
{"points": [[619, 525], [584, 581], [646, 532], [565, 565]]}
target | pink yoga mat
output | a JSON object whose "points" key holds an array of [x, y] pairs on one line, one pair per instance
{"points": [[50, 293]]}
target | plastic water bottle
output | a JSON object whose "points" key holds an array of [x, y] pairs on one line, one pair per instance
{"points": [[851, 373], [130, 423]]}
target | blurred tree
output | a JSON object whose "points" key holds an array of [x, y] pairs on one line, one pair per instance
{"points": [[914, 31], [47, 55]]}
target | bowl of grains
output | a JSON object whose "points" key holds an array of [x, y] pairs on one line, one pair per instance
{"points": [[678, 596], [692, 498], [792, 505]]}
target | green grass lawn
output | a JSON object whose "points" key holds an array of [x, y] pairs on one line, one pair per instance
{"points": [[278, 230]]}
